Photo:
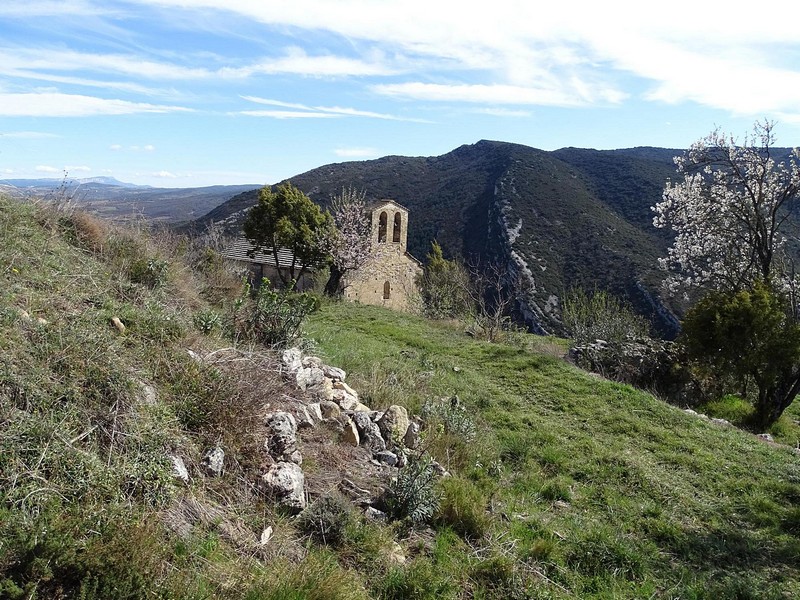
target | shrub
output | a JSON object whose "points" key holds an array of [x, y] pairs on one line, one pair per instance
{"points": [[327, 519], [601, 316], [413, 495], [747, 337], [207, 321], [452, 415], [272, 317], [150, 272], [444, 287]]}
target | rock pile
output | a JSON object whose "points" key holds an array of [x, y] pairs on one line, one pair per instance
{"points": [[386, 435]]}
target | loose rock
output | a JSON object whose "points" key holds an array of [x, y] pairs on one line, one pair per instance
{"points": [[369, 432], [334, 373], [330, 410], [179, 470], [282, 444], [411, 438], [394, 424], [285, 482], [350, 434], [308, 377], [386, 457], [214, 461]]}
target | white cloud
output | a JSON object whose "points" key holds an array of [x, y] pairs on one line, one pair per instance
{"points": [[79, 168], [28, 135], [504, 112], [563, 54], [47, 169], [356, 152], [23, 62], [54, 104], [498, 94], [115, 147], [148, 148], [297, 62], [287, 114], [305, 111], [164, 175]]}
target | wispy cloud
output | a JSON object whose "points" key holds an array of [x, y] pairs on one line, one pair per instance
{"points": [[548, 55], [504, 112], [320, 112], [498, 94], [47, 169], [298, 62], [55, 104], [28, 135], [288, 114]]}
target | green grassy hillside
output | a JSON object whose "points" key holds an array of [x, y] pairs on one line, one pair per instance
{"points": [[561, 484], [591, 489]]}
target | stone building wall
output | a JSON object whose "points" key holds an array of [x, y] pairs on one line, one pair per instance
{"points": [[389, 279]]}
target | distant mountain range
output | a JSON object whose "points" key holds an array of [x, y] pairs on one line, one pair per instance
{"points": [[571, 217], [118, 200]]}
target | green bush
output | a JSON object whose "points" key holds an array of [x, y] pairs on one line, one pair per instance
{"points": [[745, 340], [327, 519], [601, 316], [452, 415], [412, 494], [150, 272], [444, 287], [207, 321], [272, 317]]}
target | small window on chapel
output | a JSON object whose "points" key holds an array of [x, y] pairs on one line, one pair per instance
{"points": [[387, 290], [396, 231], [382, 223]]}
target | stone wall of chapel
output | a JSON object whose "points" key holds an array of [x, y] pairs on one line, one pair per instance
{"points": [[389, 264]]}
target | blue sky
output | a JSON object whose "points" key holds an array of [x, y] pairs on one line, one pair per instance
{"points": [[180, 93]]}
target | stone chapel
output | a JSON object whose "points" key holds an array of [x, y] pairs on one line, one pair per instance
{"points": [[389, 279]]}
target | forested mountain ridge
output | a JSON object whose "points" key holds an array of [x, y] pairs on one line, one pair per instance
{"points": [[563, 218]]}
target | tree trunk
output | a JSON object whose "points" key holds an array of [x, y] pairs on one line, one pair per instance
{"points": [[775, 399], [333, 287]]}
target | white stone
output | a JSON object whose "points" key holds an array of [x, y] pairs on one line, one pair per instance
{"points": [[179, 469], [266, 535], [285, 481]]}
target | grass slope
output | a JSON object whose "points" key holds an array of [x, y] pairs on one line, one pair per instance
{"points": [[593, 489], [563, 486]]}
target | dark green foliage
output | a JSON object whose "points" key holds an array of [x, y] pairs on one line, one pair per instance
{"points": [[444, 287], [746, 338], [287, 219], [149, 271], [272, 317]]}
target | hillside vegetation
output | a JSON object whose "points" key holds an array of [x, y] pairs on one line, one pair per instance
{"points": [[560, 484]]}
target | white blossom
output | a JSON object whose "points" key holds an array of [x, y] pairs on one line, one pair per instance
{"points": [[729, 212]]}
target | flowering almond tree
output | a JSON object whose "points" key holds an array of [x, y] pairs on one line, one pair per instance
{"points": [[349, 242], [730, 214]]}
